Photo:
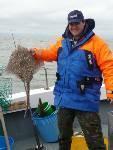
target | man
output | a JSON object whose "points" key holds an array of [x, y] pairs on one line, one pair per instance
{"points": [[82, 57]]}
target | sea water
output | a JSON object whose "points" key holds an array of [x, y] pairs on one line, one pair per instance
{"points": [[7, 46]]}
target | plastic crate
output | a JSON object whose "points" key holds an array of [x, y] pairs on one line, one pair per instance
{"points": [[5, 92], [3, 143]]}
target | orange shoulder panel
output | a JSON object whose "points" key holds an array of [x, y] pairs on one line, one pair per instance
{"points": [[104, 58]]}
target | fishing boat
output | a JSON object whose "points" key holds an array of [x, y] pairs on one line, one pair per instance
{"points": [[21, 129]]}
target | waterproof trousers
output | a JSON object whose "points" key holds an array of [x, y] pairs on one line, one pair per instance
{"points": [[90, 124]]}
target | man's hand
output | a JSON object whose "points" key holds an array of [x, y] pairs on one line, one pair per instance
{"points": [[32, 51], [110, 100]]}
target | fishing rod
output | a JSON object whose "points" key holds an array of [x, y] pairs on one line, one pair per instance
{"points": [[39, 146], [14, 40]]}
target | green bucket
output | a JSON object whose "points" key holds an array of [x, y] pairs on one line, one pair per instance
{"points": [[47, 109]]}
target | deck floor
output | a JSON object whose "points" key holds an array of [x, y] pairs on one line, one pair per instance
{"points": [[29, 143], [22, 132]]}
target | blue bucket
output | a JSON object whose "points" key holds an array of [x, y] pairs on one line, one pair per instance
{"points": [[3, 143], [47, 127]]}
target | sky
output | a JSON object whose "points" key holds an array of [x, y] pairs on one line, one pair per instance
{"points": [[50, 16]]}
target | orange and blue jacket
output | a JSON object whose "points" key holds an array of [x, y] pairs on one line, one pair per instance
{"points": [[103, 56]]}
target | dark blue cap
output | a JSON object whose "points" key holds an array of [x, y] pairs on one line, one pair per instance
{"points": [[75, 16]]}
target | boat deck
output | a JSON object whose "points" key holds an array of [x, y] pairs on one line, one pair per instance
{"points": [[28, 143], [22, 132]]}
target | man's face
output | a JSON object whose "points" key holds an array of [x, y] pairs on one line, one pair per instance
{"points": [[76, 28]]}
